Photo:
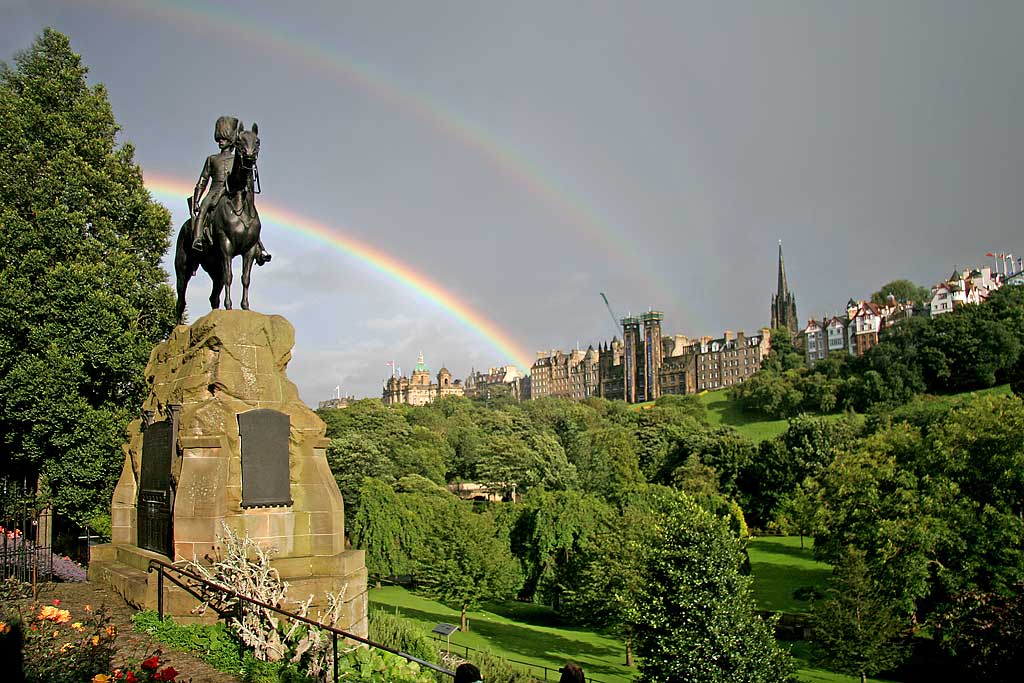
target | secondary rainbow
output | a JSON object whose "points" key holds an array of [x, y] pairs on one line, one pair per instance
{"points": [[174, 190], [206, 18]]}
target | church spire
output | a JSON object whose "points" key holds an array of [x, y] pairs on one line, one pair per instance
{"points": [[783, 284], [783, 302]]}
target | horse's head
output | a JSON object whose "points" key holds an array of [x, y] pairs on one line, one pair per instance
{"points": [[247, 144]]}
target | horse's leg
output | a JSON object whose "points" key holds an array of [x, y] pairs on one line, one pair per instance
{"points": [[247, 261], [218, 284], [225, 250]]}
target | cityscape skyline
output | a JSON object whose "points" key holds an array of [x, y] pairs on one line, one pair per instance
{"points": [[467, 180]]}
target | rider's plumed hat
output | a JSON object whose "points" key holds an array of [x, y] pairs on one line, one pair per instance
{"points": [[226, 129]]}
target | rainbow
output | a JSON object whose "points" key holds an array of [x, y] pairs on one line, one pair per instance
{"points": [[203, 18], [174, 190]]}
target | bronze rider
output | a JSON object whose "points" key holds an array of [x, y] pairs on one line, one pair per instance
{"points": [[215, 171]]}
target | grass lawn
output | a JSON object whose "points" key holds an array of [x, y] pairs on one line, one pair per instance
{"points": [[780, 566], [532, 633], [520, 631]]}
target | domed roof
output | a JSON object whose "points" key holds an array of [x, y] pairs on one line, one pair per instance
{"points": [[444, 371], [420, 365]]}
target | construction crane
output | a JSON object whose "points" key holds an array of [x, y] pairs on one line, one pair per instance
{"points": [[615, 318]]}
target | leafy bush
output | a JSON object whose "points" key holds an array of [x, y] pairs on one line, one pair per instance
{"points": [[376, 666], [497, 670], [215, 644], [402, 634]]}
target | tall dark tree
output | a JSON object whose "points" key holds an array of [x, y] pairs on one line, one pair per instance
{"points": [[83, 297], [856, 630]]}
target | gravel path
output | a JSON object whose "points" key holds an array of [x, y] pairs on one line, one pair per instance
{"points": [[130, 645]]}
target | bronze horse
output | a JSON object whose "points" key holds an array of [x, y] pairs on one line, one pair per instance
{"points": [[235, 226]]}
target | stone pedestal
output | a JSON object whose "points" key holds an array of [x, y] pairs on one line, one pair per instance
{"points": [[224, 364]]}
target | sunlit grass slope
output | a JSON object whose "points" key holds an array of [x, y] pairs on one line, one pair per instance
{"points": [[521, 631]]}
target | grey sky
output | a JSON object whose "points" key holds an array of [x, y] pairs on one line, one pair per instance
{"points": [[526, 156]]}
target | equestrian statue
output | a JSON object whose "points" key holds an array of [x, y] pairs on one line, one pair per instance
{"points": [[223, 224]]}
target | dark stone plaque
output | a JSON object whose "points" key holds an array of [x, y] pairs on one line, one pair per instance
{"points": [[265, 477], [155, 528]]}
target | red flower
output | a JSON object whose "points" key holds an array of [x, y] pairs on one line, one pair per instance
{"points": [[56, 603], [130, 678], [168, 674], [152, 663]]}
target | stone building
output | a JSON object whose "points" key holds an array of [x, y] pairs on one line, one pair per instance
{"points": [[508, 377], [784, 303], [418, 389], [730, 359], [645, 365], [573, 375]]}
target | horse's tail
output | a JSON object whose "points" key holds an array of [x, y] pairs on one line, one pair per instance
{"points": [[184, 265]]}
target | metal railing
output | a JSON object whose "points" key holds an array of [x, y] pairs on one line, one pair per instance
{"points": [[162, 568], [25, 535]]}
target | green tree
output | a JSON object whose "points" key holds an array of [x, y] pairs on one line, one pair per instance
{"points": [[384, 528], [783, 355], [550, 532], [84, 297], [801, 511], [467, 563], [705, 628], [352, 459], [600, 594], [606, 461], [856, 629], [903, 290]]}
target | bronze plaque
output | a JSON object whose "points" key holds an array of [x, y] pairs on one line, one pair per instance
{"points": [[265, 478], [154, 505]]}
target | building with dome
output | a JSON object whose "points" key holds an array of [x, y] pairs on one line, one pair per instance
{"points": [[420, 388]]}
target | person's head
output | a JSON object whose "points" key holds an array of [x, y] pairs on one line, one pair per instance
{"points": [[468, 673], [572, 673]]}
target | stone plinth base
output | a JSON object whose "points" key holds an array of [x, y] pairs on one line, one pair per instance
{"points": [[204, 378]]}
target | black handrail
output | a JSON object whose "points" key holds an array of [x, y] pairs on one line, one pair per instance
{"points": [[161, 566]]}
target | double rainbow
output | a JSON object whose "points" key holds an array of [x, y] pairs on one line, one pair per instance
{"points": [[174, 190]]}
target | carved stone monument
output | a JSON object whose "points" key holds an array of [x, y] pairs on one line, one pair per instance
{"points": [[228, 441]]}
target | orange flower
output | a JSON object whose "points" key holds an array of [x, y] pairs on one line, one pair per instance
{"points": [[101, 678], [78, 626], [95, 640], [54, 614], [88, 608], [56, 633], [111, 631]]}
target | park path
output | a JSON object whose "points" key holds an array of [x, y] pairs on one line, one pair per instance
{"points": [[130, 645]]}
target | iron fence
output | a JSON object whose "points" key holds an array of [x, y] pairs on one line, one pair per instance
{"points": [[25, 535]]}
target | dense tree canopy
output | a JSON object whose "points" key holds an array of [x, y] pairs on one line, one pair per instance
{"points": [[82, 294]]}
